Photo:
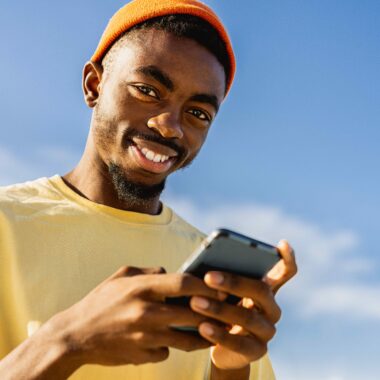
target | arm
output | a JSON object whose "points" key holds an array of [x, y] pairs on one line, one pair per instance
{"points": [[45, 355], [124, 320]]}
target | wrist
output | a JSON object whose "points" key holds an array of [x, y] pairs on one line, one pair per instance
{"points": [[45, 355], [63, 339]]}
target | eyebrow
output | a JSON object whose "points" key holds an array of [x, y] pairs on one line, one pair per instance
{"points": [[206, 98], [158, 75]]}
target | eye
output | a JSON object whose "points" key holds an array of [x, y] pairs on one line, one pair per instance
{"points": [[201, 115], [146, 90]]}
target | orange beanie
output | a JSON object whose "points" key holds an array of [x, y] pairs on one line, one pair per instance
{"points": [[138, 11]]}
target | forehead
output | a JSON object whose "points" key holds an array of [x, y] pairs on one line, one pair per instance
{"points": [[189, 65]]}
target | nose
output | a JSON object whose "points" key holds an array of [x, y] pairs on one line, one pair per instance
{"points": [[167, 124]]}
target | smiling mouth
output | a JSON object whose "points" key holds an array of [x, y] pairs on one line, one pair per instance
{"points": [[153, 157]]}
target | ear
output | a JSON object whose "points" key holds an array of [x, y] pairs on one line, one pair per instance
{"points": [[92, 76]]}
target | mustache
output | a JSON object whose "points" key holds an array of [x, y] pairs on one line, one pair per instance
{"points": [[159, 140]]}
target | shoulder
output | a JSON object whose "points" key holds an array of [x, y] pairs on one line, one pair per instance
{"points": [[24, 191], [27, 195], [182, 226]]}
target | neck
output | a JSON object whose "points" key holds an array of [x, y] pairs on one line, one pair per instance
{"points": [[91, 179]]}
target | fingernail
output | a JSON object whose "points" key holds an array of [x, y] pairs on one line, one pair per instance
{"points": [[207, 329], [215, 278], [200, 302]]}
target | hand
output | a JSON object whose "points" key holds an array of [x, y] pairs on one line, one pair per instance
{"points": [[251, 323], [124, 320]]}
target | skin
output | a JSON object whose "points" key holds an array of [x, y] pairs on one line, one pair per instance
{"points": [[125, 319], [130, 101]]}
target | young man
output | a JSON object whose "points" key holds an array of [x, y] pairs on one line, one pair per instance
{"points": [[155, 83]]}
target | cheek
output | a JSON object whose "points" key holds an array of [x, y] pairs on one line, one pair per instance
{"points": [[198, 138], [112, 118], [194, 144], [113, 101], [105, 136]]}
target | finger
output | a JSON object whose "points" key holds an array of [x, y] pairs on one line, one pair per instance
{"points": [[285, 269], [157, 354], [156, 270], [123, 271], [163, 315], [176, 285], [248, 346], [183, 341], [251, 320], [288, 255], [240, 286]]}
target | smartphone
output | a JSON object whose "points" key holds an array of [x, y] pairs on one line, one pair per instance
{"points": [[228, 251]]}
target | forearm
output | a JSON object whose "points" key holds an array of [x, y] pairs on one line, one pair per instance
{"points": [[42, 356], [237, 374]]}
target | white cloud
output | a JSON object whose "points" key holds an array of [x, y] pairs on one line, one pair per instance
{"points": [[347, 299], [328, 261]]}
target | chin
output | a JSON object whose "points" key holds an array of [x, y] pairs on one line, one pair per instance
{"points": [[129, 188]]}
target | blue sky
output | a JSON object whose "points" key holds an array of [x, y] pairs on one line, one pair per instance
{"points": [[293, 153]]}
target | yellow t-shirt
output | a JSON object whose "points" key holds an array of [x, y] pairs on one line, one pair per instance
{"points": [[56, 246]]}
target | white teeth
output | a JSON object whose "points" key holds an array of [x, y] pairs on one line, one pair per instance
{"points": [[153, 156], [150, 155]]}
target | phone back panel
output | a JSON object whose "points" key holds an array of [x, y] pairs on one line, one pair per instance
{"points": [[232, 252]]}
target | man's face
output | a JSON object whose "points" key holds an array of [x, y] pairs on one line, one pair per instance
{"points": [[156, 104]]}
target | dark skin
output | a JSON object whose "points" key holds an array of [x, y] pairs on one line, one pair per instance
{"points": [[132, 99], [171, 88]]}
